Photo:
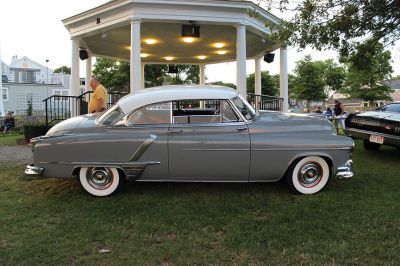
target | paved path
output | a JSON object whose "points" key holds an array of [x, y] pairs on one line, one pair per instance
{"points": [[19, 153]]}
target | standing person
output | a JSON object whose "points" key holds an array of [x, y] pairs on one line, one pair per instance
{"points": [[340, 115], [328, 114], [9, 122], [98, 101]]}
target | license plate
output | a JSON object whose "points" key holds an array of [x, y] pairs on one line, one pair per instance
{"points": [[376, 139]]}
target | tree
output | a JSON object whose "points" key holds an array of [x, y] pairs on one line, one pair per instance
{"points": [[332, 74], [309, 84], [115, 76], [112, 74], [63, 69], [154, 75], [220, 83], [369, 73], [186, 74], [269, 84], [340, 24]]}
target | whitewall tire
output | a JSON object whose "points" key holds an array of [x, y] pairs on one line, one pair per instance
{"points": [[308, 175], [100, 181]]}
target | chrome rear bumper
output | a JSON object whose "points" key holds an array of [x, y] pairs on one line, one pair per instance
{"points": [[345, 172], [32, 170]]}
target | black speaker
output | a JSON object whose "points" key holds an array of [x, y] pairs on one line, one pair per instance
{"points": [[269, 57], [172, 69], [190, 31], [83, 54]]}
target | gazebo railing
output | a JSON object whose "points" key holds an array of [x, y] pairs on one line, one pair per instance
{"points": [[265, 102], [61, 107], [58, 107]]}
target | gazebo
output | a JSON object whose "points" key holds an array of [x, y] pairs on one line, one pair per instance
{"points": [[176, 32]]}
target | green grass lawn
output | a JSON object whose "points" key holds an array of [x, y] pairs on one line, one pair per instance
{"points": [[353, 222], [10, 139]]}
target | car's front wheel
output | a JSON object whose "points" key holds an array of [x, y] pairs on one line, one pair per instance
{"points": [[371, 146], [308, 175], [100, 181]]}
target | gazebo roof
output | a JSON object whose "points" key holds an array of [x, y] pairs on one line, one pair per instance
{"points": [[105, 30]]}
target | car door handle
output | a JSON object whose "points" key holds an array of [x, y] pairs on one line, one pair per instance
{"points": [[241, 128], [176, 131]]}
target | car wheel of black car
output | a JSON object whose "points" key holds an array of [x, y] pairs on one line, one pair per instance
{"points": [[100, 181], [308, 175], [371, 146]]}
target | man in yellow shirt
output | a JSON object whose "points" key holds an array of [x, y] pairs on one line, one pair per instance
{"points": [[98, 100]]}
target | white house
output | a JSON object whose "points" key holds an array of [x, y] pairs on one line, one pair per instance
{"points": [[25, 80]]}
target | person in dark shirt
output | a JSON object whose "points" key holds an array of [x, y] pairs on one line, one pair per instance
{"points": [[9, 122], [339, 115]]}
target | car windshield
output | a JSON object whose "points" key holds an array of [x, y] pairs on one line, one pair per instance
{"points": [[111, 116], [244, 108], [394, 107]]}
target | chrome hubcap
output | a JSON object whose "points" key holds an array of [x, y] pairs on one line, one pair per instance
{"points": [[310, 174], [99, 177]]}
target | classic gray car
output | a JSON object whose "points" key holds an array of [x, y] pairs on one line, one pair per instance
{"points": [[192, 134]]}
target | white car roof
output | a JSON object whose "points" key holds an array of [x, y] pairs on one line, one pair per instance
{"points": [[148, 96]]}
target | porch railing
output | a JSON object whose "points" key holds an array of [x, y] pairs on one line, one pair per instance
{"points": [[60, 107], [265, 102]]}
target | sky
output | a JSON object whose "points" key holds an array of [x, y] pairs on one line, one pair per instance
{"points": [[34, 29]]}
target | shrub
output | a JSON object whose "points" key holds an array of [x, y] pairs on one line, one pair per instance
{"points": [[36, 130]]}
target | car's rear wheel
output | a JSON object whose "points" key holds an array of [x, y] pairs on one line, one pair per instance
{"points": [[308, 175], [100, 181], [371, 146]]}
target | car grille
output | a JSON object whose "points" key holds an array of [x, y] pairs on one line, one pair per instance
{"points": [[376, 125]]}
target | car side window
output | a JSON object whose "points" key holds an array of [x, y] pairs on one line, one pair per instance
{"points": [[203, 111], [158, 113]]}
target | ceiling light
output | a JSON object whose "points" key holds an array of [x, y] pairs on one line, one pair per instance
{"points": [[202, 57], [150, 41], [188, 39], [144, 55], [169, 58], [221, 52], [219, 45]]}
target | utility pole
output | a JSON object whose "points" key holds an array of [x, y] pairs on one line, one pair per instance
{"points": [[47, 77]]}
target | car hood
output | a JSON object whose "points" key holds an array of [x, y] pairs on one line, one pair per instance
{"points": [[68, 126], [380, 115], [293, 122]]}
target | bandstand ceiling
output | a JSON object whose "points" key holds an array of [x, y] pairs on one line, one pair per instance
{"points": [[115, 43]]}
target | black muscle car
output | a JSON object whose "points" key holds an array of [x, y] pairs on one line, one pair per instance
{"points": [[378, 127]]}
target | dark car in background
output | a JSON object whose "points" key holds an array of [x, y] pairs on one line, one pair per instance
{"points": [[376, 128]]}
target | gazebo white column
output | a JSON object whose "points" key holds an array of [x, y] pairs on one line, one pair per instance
{"points": [[74, 82], [202, 80], [241, 59], [284, 88], [202, 74], [135, 62], [142, 75], [88, 72], [257, 81]]}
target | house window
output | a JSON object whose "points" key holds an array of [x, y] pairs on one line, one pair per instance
{"points": [[4, 94]]}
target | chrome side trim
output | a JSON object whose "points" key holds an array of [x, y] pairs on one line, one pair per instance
{"points": [[305, 149], [32, 170], [345, 172], [143, 148], [216, 149]]}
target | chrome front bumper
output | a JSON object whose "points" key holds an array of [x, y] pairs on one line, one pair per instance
{"points": [[345, 172], [32, 170]]}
